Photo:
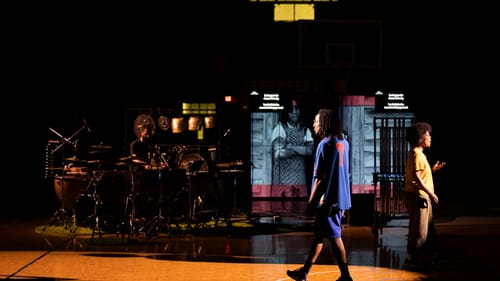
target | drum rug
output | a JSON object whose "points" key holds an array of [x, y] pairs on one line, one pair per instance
{"points": [[89, 236]]}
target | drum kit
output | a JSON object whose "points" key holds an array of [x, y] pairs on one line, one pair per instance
{"points": [[112, 196], [170, 189], [126, 195]]}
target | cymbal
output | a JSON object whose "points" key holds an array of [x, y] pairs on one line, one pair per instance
{"points": [[100, 146], [139, 161], [74, 159], [126, 158], [96, 162], [232, 171], [229, 165], [131, 159]]}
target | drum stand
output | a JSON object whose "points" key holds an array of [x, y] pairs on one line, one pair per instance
{"points": [[94, 218], [157, 223], [63, 216], [129, 212]]}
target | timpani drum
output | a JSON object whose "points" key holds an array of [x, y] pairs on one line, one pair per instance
{"points": [[68, 189]]}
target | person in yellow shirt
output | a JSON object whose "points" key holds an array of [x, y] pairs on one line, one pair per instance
{"points": [[419, 195]]}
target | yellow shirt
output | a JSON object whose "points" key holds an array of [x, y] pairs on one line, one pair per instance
{"points": [[417, 161]]}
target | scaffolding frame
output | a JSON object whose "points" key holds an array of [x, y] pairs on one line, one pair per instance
{"points": [[389, 172]]}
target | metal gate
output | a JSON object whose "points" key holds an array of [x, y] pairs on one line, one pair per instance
{"points": [[388, 179]]}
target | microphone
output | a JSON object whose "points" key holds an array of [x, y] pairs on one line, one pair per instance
{"points": [[86, 126], [228, 132]]}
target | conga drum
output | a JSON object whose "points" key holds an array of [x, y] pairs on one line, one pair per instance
{"points": [[68, 189]]}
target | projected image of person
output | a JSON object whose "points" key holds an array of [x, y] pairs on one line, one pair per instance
{"points": [[292, 142]]}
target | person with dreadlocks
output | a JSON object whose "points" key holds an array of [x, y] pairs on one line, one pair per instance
{"points": [[330, 194]]}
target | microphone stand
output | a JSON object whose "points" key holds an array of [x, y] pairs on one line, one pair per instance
{"points": [[61, 215], [66, 140]]}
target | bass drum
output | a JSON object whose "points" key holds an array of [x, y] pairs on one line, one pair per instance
{"points": [[106, 199], [193, 163], [85, 209]]}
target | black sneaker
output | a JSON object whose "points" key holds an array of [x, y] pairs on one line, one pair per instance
{"points": [[297, 274], [349, 278]]}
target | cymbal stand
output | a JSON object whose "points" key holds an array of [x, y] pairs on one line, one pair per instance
{"points": [[191, 204], [157, 223], [60, 217], [130, 206]]}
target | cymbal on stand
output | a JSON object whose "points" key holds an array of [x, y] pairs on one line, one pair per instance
{"points": [[135, 159], [121, 165], [97, 162], [139, 161], [100, 146], [126, 158], [75, 159], [129, 160], [99, 152]]}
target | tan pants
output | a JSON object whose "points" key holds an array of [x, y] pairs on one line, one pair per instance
{"points": [[420, 222]]}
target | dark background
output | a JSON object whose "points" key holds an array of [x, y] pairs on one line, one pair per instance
{"points": [[68, 63]]}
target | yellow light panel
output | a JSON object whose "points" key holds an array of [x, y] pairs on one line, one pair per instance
{"points": [[293, 12]]}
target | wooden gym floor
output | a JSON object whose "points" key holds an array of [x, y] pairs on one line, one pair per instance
{"points": [[468, 246]]}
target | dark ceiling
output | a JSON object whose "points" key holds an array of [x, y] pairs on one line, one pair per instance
{"points": [[116, 51], [91, 61]]}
